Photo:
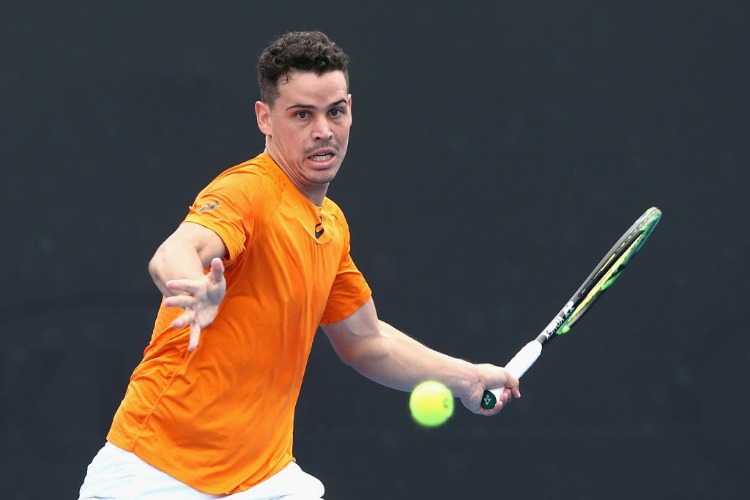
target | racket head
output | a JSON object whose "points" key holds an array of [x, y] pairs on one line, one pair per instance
{"points": [[600, 279], [606, 272]]}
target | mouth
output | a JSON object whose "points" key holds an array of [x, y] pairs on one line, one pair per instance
{"points": [[322, 156]]}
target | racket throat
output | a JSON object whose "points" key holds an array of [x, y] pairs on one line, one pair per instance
{"points": [[544, 338]]}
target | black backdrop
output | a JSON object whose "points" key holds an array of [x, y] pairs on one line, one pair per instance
{"points": [[497, 150]]}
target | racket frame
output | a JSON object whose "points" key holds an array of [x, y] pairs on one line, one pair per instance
{"points": [[601, 278]]}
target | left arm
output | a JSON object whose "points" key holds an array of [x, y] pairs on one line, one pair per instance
{"points": [[386, 355]]}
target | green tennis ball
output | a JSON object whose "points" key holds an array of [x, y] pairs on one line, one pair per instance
{"points": [[431, 403]]}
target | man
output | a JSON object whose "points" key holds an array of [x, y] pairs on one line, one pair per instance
{"points": [[261, 260]]}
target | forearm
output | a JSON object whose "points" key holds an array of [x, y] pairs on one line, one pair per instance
{"points": [[185, 255], [173, 261], [384, 354], [396, 360]]}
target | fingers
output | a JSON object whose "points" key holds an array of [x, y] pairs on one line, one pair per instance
{"points": [[215, 274], [511, 380], [199, 299], [195, 333], [183, 301], [503, 400], [508, 390], [186, 286], [499, 406], [183, 319], [198, 310], [189, 318], [511, 390]]}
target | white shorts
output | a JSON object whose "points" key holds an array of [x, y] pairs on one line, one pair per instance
{"points": [[120, 475]]}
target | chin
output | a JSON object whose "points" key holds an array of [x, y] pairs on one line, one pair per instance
{"points": [[323, 179], [324, 175]]}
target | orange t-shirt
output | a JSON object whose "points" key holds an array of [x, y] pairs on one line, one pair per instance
{"points": [[220, 418]]}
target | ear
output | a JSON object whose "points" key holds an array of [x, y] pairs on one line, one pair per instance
{"points": [[349, 103], [263, 115]]}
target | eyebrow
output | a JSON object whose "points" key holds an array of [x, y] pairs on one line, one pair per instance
{"points": [[310, 106]]}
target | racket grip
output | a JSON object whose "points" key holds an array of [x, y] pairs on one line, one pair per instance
{"points": [[517, 366]]}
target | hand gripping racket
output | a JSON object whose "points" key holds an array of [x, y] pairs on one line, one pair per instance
{"points": [[602, 277]]}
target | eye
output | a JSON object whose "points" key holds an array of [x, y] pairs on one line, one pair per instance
{"points": [[336, 112], [303, 114]]}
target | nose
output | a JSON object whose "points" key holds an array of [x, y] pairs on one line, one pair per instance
{"points": [[322, 129]]}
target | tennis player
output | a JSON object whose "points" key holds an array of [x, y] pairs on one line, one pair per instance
{"points": [[261, 260]]}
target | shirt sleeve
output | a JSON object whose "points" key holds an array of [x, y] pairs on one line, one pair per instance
{"points": [[225, 207], [350, 289]]}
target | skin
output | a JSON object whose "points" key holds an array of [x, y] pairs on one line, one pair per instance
{"points": [[307, 129], [307, 133]]}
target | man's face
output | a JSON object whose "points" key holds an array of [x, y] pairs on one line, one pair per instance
{"points": [[307, 128]]}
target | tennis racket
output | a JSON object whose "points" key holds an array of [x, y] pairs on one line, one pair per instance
{"points": [[601, 278]]}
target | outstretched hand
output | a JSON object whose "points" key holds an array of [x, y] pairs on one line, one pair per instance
{"points": [[200, 300]]}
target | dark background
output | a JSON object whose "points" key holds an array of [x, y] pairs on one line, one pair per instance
{"points": [[498, 149]]}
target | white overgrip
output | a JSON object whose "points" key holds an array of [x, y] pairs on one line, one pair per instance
{"points": [[524, 358], [521, 362]]}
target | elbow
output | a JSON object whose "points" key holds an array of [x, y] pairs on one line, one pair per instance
{"points": [[152, 269], [154, 265], [363, 354], [348, 356], [156, 270]]}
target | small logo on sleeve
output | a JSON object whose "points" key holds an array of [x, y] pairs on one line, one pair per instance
{"points": [[208, 206]]}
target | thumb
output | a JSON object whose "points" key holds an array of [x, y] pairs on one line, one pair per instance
{"points": [[217, 270]]}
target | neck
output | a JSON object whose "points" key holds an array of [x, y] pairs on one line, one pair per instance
{"points": [[315, 193]]}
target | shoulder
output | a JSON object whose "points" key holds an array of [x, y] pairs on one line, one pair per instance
{"points": [[256, 173], [254, 182]]}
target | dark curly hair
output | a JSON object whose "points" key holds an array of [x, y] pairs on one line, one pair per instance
{"points": [[298, 50]]}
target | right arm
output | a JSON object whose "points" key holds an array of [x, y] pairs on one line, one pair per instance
{"points": [[177, 269], [388, 356]]}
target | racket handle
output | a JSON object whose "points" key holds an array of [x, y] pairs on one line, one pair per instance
{"points": [[517, 366]]}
